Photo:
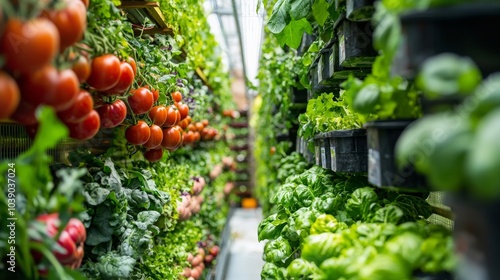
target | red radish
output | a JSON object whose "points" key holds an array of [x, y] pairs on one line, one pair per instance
{"points": [[196, 261], [214, 251], [191, 278], [202, 181], [209, 259], [187, 272], [201, 252], [190, 257], [195, 274]]}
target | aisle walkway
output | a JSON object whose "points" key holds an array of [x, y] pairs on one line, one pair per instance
{"points": [[245, 259]]}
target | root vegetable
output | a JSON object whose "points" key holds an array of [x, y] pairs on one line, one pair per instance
{"points": [[196, 261], [187, 272]]}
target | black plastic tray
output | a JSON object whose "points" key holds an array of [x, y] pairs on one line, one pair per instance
{"points": [[476, 232], [299, 95], [322, 152], [468, 30], [360, 10], [348, 150], [307, 40], [382, 169], [355, 44], [442, 104], [337, 73]]}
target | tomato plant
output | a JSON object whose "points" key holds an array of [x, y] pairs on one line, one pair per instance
{"points": [[28, 46], [183, 109], [155, 138], [82, 106], [105, 72], [158, 114], [141, 100], [51, 87], [9, 95], [138, 134], [70, 21], [172, 116], [86, 129], [112, 114]]}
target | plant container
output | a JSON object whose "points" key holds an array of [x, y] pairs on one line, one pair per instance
{"points": [[382, 169], [476, 232], [337, 73], [468, 30], [313, 72], [445, 275], [348, 150], [355, 47], [323, 66], [322, 149], [307, 40], [299, 95], [360, 10]]}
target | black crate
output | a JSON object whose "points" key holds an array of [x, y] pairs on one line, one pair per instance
{"points": [[468, 30], [382, 169], [322, 151], [355, 44], [347, 150], [360, 10]]}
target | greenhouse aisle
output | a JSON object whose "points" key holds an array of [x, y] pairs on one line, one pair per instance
{"points": [[245, 259]]}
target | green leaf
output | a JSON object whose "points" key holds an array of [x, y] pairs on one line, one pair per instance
{"points": [[388, 214], [280, 17], [366, 99], [291, 35], [277, 251], [299, 8], [320, 11], [51, 130], [483, 162]]}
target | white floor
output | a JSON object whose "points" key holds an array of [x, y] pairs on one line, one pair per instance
{"points": [[245, 259]]}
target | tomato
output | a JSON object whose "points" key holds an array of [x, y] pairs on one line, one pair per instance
{"points": [[172, 138], [155, 138], [158, 114], [112, 114], [197, 136], [188, 137], [172, 116], [9, 95], [70, 21], [141, 100], [138, 134], [179, 118], [156, 94], [177, 96], [183, 109], [86, 129], [25, 114], [50, 87], [126, 79], [191, 127], [28, 46], [189, 119], [205, 133], [82, 106], [199, 126], [133, 64], [205, 122], [153, 155], [183, 124], [81, 67], [104, 72]]}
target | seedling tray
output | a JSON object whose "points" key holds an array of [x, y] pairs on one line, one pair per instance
{"points": [[382, 169], [347, 150], [360, 10], [468, 30]]}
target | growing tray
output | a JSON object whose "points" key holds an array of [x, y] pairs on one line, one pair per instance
{"points": [[360, 10], [322, 151], [382, 169], [468, 30], [477, 228], [445, 275], [346, 150], [443, 104]]}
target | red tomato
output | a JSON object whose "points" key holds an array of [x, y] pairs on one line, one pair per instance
{"points": [[131, 61], [28, 46], [188, 118], [112, 114], [50, 87], [179, 119], [126, 79], [183, 109], [9, 95], [172, 138], [158, 114], [81, 67], [153, 155], [172, 116], [105, 72], [197, 136], [205, 122], [141, 100], [199, 126], [156, 94], [25, 114], [86, 129], [71, 22], [138, 134], [191, 127], [155, 138], [177, 96], [183, 124], [82, 106], [188, 137]]}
